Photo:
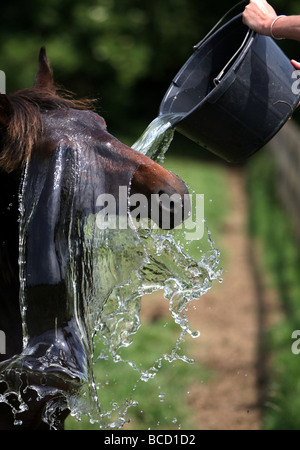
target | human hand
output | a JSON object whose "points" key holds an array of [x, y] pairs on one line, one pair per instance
{"points": [[259, 15]]}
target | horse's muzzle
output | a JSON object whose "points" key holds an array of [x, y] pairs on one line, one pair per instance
{"points": [[167, 197]]}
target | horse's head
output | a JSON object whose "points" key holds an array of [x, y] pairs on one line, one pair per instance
{"points": [[66, 123], [71, 161]]}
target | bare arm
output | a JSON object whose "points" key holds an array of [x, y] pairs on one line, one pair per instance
{"points": [[259, 16]]}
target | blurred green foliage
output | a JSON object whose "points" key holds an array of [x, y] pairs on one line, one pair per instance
{"points": [[124, 52], [281, 260]]}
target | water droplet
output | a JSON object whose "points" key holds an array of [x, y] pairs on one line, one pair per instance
{"points": [[18, 422], [161, 396]]}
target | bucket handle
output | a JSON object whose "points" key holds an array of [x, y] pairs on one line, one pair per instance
{"points": [[219, 22], [217, 79]]}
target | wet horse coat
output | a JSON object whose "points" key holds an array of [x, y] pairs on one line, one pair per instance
{"points": [[69, 158]]}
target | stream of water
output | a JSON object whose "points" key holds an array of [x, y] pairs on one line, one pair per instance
{"points": [[119, 267]]}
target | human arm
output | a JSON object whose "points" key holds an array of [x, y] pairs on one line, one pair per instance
{"points": [[259, 15]]}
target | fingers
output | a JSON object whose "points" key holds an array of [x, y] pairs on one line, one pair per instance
{"points": [[258, 16], [296, 64]]}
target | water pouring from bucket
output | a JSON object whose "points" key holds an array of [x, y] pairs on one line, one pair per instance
{"points": [[237, 82]]}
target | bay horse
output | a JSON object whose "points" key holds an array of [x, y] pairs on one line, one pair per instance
{"points": [[69, 158]]}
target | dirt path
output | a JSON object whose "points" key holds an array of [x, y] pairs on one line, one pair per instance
{"points": [[231, 318]]}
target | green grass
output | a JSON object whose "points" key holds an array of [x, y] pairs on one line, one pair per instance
{"points": [[271, 224], [119, 382], [172, 382]]}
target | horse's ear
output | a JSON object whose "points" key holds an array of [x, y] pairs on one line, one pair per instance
{"points": [[44, 76], [6, 110]]}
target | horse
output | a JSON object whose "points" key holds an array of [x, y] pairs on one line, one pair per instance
{"points": [[68, 157]]}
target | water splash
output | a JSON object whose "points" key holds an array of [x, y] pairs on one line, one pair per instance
{"points": [[155, 261], [152, 260]]}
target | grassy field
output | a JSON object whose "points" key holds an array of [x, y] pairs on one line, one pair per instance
{"points": [[162, 403]]}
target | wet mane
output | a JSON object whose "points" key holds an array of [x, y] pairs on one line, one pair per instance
{"points": [[26, 124]]}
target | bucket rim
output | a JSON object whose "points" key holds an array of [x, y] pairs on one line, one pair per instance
{"points": [[214, 92]]}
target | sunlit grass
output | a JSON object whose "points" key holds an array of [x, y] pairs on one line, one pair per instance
{"points": [[161, 402]]}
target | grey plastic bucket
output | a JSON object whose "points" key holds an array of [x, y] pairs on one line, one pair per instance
{"points": [[234, 93]]}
